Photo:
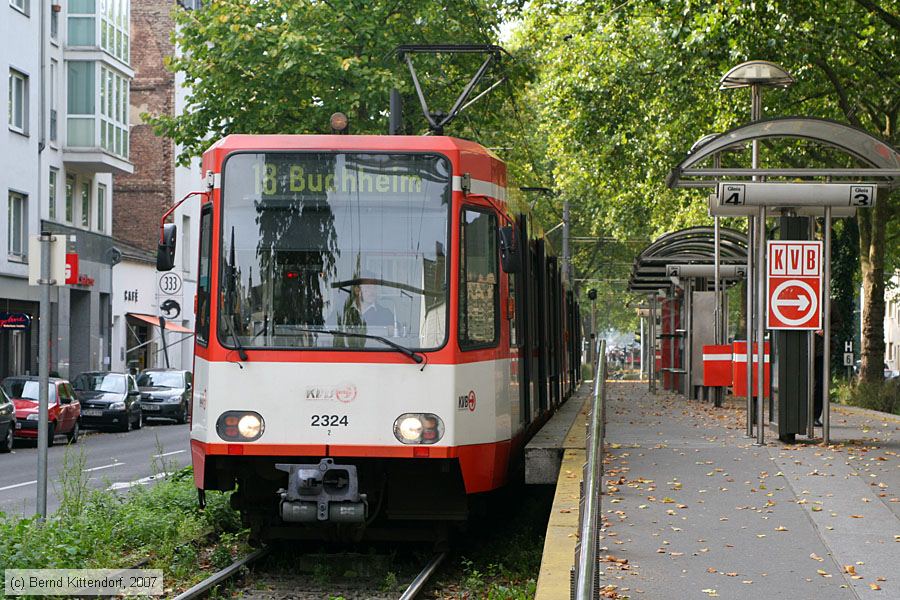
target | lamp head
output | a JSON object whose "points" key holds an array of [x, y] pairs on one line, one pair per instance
{"points": [[756, 72]]}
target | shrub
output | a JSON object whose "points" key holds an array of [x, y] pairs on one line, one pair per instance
{"points": [[881, 396]]}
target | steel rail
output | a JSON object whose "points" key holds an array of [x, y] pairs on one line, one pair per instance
{"points": [[422, 578], [218, 577], [586, 571]]}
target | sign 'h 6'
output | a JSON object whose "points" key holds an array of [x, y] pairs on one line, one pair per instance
{"points": [[794, 285]]}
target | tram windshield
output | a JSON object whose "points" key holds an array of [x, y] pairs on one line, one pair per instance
{"points": [[349, 242]]}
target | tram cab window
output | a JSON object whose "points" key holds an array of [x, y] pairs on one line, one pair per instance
{"points": [[203, 279], [317, 244], [479, 295]]}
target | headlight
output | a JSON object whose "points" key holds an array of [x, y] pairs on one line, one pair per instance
{"points": [[117, 406], [418, 428], [32, 417], [240, 426], [249, 426]]}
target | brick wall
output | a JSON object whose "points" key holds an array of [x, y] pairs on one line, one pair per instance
{"points": [[140, 199]]}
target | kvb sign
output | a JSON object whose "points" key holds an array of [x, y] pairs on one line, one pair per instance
{"points": [[794, 285]]}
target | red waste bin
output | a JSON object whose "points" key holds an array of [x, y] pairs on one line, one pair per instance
{"points": [[739, 349], [717, 367]]}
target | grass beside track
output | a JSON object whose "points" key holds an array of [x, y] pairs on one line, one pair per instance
{"points": [[500, 557], [101, 529]]}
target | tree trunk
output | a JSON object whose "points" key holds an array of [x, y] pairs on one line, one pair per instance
{"points": [[871, 253]]}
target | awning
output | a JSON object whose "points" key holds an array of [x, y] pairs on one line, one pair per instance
{"points": [[170, 326]]}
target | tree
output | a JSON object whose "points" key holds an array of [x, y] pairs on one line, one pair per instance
{"points": [[284, 67], [625, 88]]}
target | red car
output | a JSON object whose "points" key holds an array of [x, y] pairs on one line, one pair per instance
{"points": [[65, 410]]}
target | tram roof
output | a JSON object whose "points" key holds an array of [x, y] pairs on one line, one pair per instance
{"points": [[694, 245], [348, 143]]}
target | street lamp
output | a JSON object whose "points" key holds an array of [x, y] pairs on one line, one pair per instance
{"points": [[756, 74]]}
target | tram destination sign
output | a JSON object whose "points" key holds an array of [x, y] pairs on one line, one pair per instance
{"points": [[794, 285], [787, 194]]}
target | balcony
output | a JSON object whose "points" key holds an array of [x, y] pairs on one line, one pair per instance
{"points": [[102, 25]]}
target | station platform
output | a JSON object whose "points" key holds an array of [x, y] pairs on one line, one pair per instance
{"points": [[694, 510]]}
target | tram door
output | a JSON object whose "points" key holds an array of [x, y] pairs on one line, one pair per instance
{"points": [[524, 322], [542, 336]]}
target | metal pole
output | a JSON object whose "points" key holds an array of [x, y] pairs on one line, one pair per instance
{"points": [[760, 324], [826, 327], [567, 257], [749, 315], [755, 106], [643, 358], [44, 376], [395, 121], [593, 329], [651, 368], [811, 363], [672, 375], [689, 339], [162, 337]]}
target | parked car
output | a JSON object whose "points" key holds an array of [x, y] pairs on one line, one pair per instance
{"points": [[109, 400], [165, 393], [64, 408], [7, 422]]}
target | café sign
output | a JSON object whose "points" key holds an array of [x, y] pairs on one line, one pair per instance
{"points": [[12, 320]]}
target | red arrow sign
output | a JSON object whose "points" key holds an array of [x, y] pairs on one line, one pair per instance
{"points": [[794, 284]]}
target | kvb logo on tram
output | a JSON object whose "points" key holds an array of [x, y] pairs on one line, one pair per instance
{"points": [[794, 285]]}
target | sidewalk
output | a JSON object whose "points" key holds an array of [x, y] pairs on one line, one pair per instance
{"points": [[697, 511]]}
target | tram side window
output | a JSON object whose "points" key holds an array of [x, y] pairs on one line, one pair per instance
{"points": [[479, 295], [203, 275]]}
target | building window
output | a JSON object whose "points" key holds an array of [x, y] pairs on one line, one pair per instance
{"points": [[51, 195], [85, 203], [80, 104], [82, 29], [20, 5], [114, 92], [70, 198], [114, 28], [18, 101], [101, 207], [18, 223], [479, 296], [54, 73]]}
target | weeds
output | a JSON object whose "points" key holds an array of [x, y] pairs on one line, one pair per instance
{"points": [[102, 529], [72, 488]]}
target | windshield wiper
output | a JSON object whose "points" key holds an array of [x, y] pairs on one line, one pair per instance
{"points": [[418, 358], [242, 354]]}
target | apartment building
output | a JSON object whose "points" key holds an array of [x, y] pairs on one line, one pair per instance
{"points": [[67, 84], [142, 197]]}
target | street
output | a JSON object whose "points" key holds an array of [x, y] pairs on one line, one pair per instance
{"points": [[111, 460]]}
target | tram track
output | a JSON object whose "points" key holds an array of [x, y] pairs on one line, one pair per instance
{"points": [[290, 588]]}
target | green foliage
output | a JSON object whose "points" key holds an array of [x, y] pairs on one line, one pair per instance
{"points": [[883, 396], [284, 67], [100, 529], [624, 89]]}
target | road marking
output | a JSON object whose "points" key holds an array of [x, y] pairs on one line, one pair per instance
{"points": [[167, 453], [103, 467], [18, 485], [124, 485]]}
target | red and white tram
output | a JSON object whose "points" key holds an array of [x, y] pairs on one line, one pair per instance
{"points": [[377, 337]]}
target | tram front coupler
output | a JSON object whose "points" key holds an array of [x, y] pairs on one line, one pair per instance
{"points": [[322, 493]]}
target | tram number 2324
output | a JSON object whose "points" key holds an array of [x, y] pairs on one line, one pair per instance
{"points": [[328, 421]]}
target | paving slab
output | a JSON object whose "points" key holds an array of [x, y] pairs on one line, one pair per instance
{"points": [[698, 511]]}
